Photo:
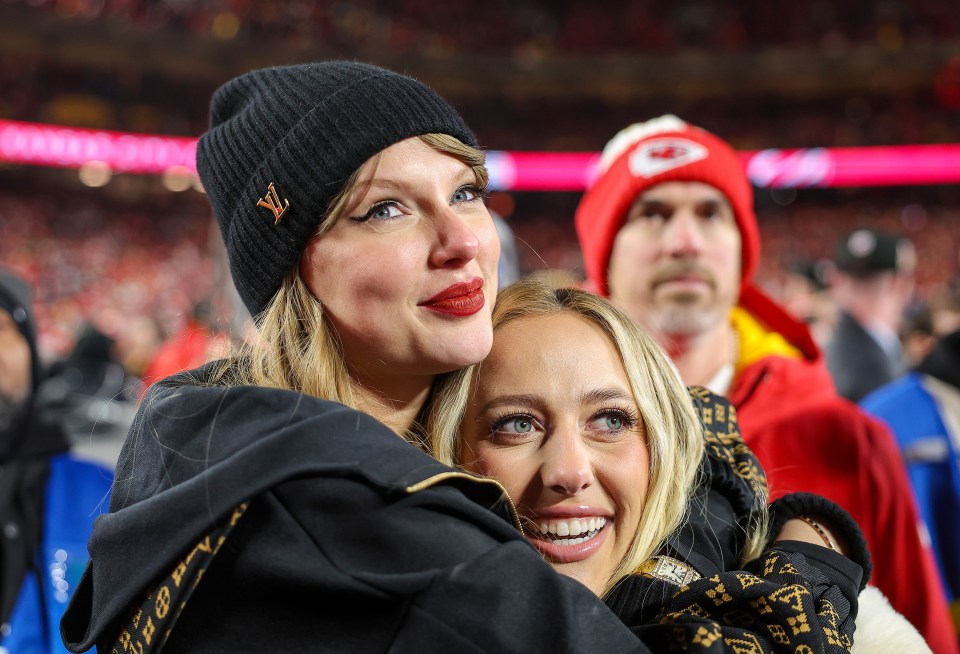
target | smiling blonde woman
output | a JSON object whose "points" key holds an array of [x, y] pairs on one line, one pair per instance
{"points": [[623, 485]]}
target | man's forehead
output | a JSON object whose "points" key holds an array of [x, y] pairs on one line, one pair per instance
{"points": [[675, 192]]}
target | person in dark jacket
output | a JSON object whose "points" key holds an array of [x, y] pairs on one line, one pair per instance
{"points": [[872, 284], [282, 499], [48, 497]]}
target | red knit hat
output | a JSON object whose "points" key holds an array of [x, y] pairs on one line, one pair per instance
{"points": [[664, 149]]}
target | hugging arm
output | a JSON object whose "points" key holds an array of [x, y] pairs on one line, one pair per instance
{"points": [[695, 597]]}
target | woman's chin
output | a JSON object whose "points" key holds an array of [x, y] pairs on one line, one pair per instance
{"points": [[584, 573], [578, 558], [466, 351]]}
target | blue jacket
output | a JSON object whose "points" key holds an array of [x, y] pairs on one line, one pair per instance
{"points": [[77, 491], [932, 461]]}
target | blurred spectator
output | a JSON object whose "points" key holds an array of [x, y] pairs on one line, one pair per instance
{"points": [[89, 391], [872, 284], [923, 411], [48, 498], [136, 344], [805, 296], [117, 262], [197, 342], [945, 308], [916, 334], [668, 229]]}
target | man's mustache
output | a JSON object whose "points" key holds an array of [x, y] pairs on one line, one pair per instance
{"points": [[677, 269]]}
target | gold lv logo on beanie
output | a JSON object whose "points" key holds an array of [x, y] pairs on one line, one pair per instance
{"points": [[272, 202]]}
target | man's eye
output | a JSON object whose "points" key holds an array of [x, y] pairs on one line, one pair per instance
{"points": [[648, 214]]}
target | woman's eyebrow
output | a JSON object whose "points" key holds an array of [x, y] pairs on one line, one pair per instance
{"points": [[402, 183], [605, 395], [521, 399]]}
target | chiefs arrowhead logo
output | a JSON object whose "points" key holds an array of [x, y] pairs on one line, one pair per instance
{"points": [[660, 155]]}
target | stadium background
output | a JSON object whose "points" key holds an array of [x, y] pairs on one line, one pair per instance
{"points": [[130, 256]]}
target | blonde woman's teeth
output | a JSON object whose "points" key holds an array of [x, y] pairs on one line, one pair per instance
{"points": [[577, 529]]}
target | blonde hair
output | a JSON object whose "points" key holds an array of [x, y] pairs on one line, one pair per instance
{"points": [[674, 433], [296, 347]]}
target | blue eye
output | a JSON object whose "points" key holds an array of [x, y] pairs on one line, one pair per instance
{"points": [[612, 421], [466, 194], [513, 426], [518, 425], [384, 211]]}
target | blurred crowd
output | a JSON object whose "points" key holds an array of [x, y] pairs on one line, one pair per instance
{"points": [[133, 274], [544, 27], [33, 89]]}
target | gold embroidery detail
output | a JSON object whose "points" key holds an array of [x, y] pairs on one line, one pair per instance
{"points": [[744, 644], [779, 634], [747, 580], [792, 596], [164, 602], [799, 624], [705, 638], [761, 605], [719, 595]]}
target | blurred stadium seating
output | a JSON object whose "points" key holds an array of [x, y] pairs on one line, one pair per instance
{"points": [[533, 75]]}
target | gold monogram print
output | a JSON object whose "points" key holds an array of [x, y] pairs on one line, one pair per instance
{"points": [[163, 604], [721, 431]]}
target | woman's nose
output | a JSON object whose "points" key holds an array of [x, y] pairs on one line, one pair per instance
{"points": [[457, 241], [567, 468]]}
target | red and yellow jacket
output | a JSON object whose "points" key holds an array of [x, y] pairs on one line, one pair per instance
{"points": [[808, 438]]}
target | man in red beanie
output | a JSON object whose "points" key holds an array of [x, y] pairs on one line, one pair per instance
{"points": [[668, 232]]}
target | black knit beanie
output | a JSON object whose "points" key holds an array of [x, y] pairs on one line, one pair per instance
{"points": [[283, 141]]}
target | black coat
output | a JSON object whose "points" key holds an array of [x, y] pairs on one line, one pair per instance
{"points": [[857, 362]]}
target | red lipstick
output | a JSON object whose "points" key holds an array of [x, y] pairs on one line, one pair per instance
{"points": [[461, 299]]}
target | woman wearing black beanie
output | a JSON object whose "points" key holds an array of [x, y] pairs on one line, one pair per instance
{"points": [[282, 500], [350, 201]]}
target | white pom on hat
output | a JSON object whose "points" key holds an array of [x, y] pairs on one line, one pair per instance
{"points": [[629, 135]]}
